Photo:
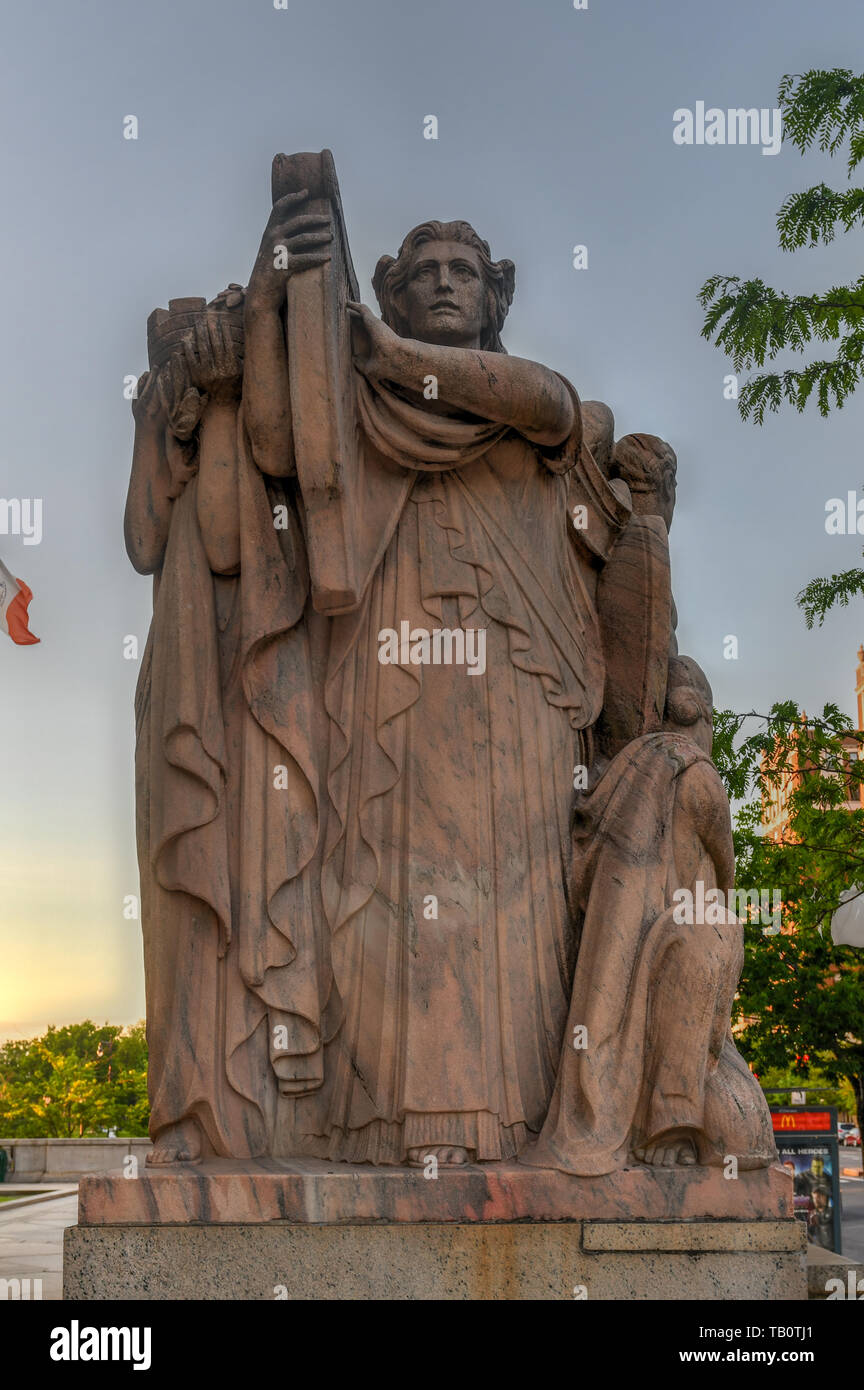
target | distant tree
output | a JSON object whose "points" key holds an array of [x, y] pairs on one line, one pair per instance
{"points": [[753, 323], [74, 1081], [61, 1098], [131, 1104], [810, 1077], [801, 998], [800, 1001]]}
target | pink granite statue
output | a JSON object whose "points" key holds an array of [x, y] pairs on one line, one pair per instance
{"points": [[419, 768]]}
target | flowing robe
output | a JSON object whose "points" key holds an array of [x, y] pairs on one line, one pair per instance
{"points": [[302, 805], [224, 712], [446, 873]]}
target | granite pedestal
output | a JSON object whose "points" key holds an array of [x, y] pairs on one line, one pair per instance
{"points": [[315, 1230]]}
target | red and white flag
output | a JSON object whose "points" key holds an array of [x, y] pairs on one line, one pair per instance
{"points": [[14, 601]]}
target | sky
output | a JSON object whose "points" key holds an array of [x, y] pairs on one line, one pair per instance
{"points": [[555, 129]]}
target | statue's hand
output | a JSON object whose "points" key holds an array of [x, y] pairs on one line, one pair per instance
{"points": [[166, 397], [148, 408], [213, 360], [292, 241], [375, 346]]}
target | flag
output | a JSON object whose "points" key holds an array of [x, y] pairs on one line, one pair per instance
{"points": [[15, 599]]}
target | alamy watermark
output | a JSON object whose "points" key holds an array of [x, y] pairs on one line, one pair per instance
{"points": [[443, 646], [737, 126], [711, 906], [845, 516], [77, 1343], [21, 516]]}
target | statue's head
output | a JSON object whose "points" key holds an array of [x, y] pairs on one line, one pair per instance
{"points": [[444, 287], [689, 701], [648, 466]]}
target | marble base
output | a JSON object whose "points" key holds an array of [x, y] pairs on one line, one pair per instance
{"points": [[318, 1192], [274, 1230]]}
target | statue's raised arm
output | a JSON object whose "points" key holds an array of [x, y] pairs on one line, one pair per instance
{"points": [[293, 240]]}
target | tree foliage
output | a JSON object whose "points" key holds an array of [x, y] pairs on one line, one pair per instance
{"points": [[818, 597], [75, 1081], [808, 1075], [754, 323], [800, 1004], [801, 997]]}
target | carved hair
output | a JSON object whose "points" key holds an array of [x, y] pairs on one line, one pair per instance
{"points": [[645, 462], [689, 697], [392, 275]]}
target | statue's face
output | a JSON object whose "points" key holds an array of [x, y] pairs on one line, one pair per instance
{"points": [[444, 299]]}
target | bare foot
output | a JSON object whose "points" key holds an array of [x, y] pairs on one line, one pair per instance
{"points": [[448, 1155], [676, 1148], [180, 1143]]}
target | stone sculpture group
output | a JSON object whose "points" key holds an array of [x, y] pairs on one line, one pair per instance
{"points": [[402, 908]]}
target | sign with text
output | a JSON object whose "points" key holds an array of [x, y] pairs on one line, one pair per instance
{"points": [[807, 1144]]}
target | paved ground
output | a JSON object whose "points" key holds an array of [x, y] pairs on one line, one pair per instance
{"points": [[31, 1242], [852, 1204]]}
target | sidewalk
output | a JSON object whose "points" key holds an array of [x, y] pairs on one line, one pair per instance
{"points": [[31, 1242]]}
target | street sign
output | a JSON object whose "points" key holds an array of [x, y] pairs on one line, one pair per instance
{"points": [[806, 1138]]}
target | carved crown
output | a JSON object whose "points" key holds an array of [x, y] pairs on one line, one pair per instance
{"points": [[166, 328]]}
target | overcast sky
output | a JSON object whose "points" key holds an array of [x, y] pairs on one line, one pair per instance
{"points": [[555, 129]]}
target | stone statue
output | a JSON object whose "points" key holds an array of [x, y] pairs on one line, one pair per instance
{"points": [[419, 767]]}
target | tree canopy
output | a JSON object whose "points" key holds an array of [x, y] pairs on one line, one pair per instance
{"points": [[78, 1080], [800, 1003], [754, 323]]}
